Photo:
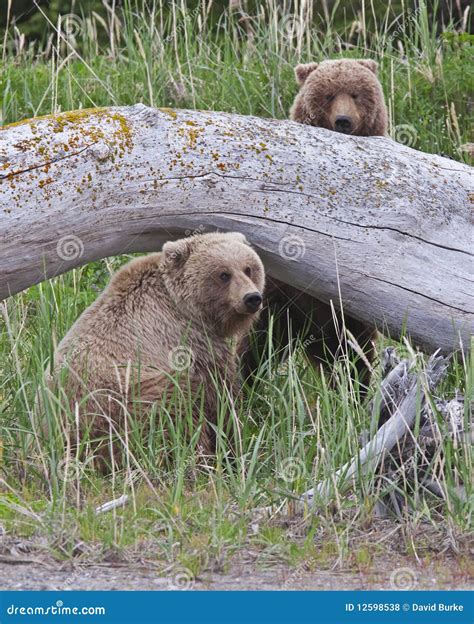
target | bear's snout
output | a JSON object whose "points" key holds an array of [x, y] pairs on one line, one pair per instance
{"points": [[344, 124], [253, 301]]}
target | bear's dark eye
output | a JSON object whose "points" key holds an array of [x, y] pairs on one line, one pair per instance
{"points": [[329, 98], [225, 277], [248, 271], [354, 96]]}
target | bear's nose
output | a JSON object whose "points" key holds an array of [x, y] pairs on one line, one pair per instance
{"points": [[253, 301], [343, 124]]}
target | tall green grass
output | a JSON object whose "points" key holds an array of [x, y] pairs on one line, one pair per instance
{"points": [[169, 55], [295, 426]]}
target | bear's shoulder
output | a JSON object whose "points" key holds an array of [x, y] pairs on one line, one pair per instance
{"points": [[134, 274]]}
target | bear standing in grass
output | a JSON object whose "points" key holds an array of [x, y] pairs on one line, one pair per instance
{"points": [[180, 310], [345, 96]]}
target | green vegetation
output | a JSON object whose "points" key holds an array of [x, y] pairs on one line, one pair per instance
{"points": [[177, 58], [295, 426]]}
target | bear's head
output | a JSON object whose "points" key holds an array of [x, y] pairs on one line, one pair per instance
{"points": [[344, 95], [216, 279]]}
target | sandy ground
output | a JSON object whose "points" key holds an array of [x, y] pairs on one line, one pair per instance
{"points": [[241, 575]]}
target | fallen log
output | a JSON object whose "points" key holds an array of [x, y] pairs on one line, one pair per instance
{"points": [[379, 226], [408, 447], [396, 407]]}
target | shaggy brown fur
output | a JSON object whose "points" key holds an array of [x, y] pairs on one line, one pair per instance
{"points": [[184, 308], [343, 95]]}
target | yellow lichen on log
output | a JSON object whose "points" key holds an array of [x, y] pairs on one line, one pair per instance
{"points": [[82, 124]]}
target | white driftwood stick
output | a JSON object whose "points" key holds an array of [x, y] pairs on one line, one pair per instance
{"points": [[387, 224], [113, 504], [369, 456], [402, 420]]}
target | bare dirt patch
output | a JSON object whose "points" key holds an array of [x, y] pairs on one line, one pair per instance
{"points": [[244, 573]]}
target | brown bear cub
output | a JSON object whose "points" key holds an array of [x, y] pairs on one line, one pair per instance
{"points": [[344, 95], [184, 309]]}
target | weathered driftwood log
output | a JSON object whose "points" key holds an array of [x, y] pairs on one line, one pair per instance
{"points": [[406, 455], [380, 226]]}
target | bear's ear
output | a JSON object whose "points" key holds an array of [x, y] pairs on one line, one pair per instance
{"points": [[372, 65], [238, 236], [303, 71], [175, 253]]}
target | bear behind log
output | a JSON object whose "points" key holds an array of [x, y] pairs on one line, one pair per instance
{"points": [[345, 96]]}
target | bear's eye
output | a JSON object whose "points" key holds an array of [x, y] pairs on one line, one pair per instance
{"points": [[329, 98], [354, 96], [248, 271], [224, 276]]}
